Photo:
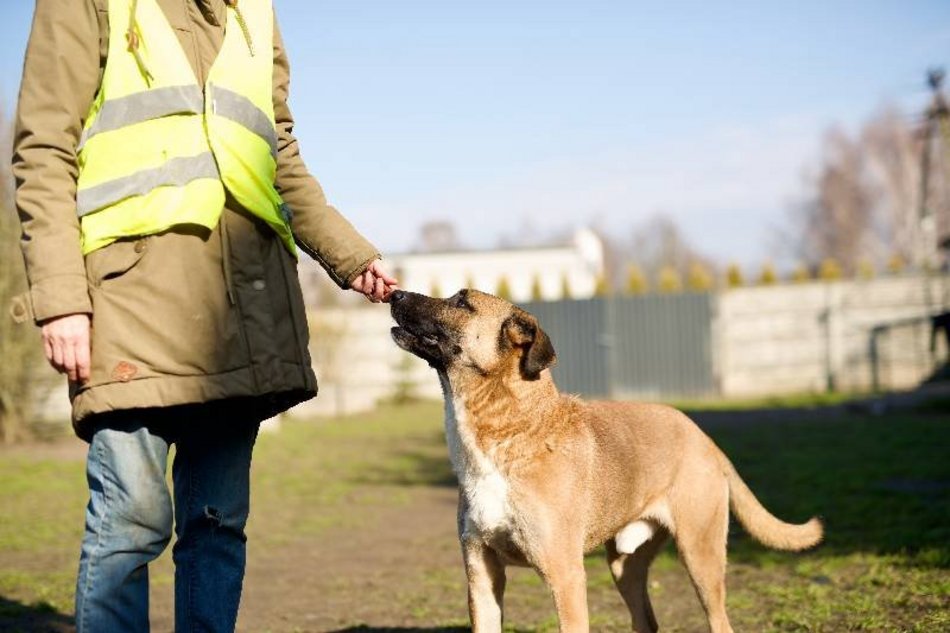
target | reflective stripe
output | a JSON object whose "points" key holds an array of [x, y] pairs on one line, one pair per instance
{"points": [[144, 106], [238, 108], [175, 172]]}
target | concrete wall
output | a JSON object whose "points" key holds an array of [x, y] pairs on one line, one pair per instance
{"points": [[357, 364], [809, 337]]}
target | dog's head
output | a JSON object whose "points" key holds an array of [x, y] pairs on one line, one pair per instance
{"points": [[471, 331]]}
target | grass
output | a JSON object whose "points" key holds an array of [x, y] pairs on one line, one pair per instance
{"points": [[881, 484], [310, 473]]}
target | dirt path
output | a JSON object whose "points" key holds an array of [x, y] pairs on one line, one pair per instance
{"points": [[402, 571]]}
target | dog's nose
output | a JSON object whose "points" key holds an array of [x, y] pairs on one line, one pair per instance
{"points": [[397, 296]]}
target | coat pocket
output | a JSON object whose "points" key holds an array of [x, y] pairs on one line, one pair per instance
{"points": [[114, 260]]}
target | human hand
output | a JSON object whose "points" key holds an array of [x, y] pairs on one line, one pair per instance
{"points": [[66, 343], [375, 283]]}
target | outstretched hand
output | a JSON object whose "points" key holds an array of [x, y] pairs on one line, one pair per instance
{"points": [[375, 283]]}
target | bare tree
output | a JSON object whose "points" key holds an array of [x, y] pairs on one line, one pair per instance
{"points": [[837, 215], [659, 243], [863, 203], [438, 236], [892, 154]]}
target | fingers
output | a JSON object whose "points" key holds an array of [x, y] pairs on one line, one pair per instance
{"points": [[377, 268], [83, 359], [58, 356], [48, 349], [375, 283], [66, 343], [69, 361]]}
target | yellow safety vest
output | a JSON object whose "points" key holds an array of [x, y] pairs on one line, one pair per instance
{"points": [[158, 149]]}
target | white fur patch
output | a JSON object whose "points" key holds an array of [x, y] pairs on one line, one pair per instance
{"points": [[660, 512], [484, 486], [633, 535], [636, 533]]}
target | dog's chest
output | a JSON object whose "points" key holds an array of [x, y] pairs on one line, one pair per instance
{"points": [[485, 489]]}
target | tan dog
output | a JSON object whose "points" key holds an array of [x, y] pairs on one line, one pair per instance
{"points": [[545, 478]]}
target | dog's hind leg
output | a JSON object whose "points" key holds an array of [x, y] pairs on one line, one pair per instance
{"points": [[701, 541], [630, 576], [486, 586]]}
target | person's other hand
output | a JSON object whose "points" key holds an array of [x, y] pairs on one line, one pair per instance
{"points": [[66, 343], [375, 283]]}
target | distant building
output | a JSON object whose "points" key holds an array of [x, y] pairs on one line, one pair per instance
{"points": [[521, 273]]}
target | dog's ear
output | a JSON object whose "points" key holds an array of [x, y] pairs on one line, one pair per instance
{"points": [[523, 330]]}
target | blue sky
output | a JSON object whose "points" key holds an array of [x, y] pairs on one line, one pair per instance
{"points": [[504, 115]]}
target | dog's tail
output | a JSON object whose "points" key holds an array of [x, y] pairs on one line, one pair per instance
{"points": [[761, 524]]}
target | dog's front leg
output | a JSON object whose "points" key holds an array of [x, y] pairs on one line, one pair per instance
{"points": [[565, 575], [486, 585]]}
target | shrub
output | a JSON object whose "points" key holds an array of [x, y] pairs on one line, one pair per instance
{"points": [[602, 287], [536, 294], [566, 287], [830, 270], [636, 283], [768, 277], [734, 278], [669, 280], [504, 289], [699, 279]]}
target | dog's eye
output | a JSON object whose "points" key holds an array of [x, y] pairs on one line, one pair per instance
{"points": [[461, 301]]}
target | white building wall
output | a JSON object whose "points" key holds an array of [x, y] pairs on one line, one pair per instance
{"points": [[580, 263]]}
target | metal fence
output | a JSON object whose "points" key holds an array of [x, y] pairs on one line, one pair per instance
{"points": [[621, 347]]}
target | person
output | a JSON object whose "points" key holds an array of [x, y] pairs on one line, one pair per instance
{"points": [[163, 202]]}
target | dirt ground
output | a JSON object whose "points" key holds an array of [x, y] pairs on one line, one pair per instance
{"points": [[402, 571]]}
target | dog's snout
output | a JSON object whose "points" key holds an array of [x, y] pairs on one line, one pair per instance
{"points": [[397, 296]]}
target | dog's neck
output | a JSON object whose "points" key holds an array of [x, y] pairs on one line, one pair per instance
{"points": [[499, 406]]}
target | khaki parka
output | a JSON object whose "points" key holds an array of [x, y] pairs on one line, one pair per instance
{"points": [[188, 315]]}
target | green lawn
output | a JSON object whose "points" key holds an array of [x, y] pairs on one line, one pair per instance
{"points": [[881, 484]]}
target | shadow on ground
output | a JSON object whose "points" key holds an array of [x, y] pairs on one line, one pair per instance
{"points": [[424, 465], [37, 618]]}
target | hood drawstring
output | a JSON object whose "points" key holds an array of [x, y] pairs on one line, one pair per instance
{"points": [[132, 39], [233, 4]]}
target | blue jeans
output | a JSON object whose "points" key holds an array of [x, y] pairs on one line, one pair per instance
{"points": [[129, 518]]}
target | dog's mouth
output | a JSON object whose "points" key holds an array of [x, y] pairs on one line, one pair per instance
{"points": [[409, 340], [424, 345]]}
